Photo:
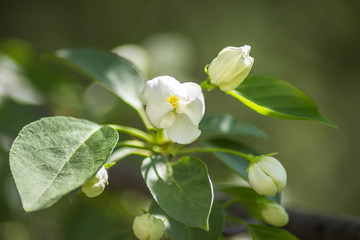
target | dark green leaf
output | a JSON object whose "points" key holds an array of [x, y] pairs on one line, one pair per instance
{"points": [[276, 98], [112, 71], [228, 125], [183, 189], [55, 155], [179, 231], [236, 163], [260, 232]]}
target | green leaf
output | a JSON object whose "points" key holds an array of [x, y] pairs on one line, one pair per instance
{"points": [[260, 232], [228, 125], [182, 189], [276, 98], [55, 155], [236, 163], [114, 72], [179, 231], [249, 199]]}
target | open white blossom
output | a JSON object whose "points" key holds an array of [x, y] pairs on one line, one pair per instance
{"points": [[267, 176], [230, 67], [176, 107], [96, 185], [275, 214], [148, 227]]}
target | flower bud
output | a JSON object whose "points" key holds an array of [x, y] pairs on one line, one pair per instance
{"points": [[267, 176], [148, 227], [230, 67], [95, 186], [275, 215]]}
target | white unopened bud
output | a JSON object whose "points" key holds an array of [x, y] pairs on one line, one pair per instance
{"points": [[267, 176], [95, 186], [275, 215], [148, 227], [230, 67]]}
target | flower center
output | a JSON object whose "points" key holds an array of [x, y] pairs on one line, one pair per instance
{"points": [[173, 100]]}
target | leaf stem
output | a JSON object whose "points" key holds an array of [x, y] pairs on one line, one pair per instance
{"points": [[248, 157], [144, 118], [132, 131], [237, 220]]}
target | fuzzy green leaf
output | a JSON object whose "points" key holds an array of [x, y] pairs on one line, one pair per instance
{"points": [[55, 155]]}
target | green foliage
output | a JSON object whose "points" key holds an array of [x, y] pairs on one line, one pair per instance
{"points": [[236, 163], [228, 125], [115, 73], [179, 231], [276, 98], [55, 155], [183, 189], [260, 232]]}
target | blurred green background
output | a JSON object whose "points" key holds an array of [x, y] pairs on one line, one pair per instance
{"points": [[311, 44]]}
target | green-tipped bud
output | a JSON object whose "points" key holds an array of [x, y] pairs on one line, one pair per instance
{"points": [[275, 215], [148, 227], [96, 185], [267, 176], [230, 67]]}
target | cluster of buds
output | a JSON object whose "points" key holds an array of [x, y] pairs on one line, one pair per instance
{"points": [[267, 177]]}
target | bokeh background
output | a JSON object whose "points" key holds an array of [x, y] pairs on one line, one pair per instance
{"points": [[311, 44]]}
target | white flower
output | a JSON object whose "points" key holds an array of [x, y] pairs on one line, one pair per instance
{"points": [[176, 107], [267, 176], [148, 227], [230, 67], [275, 215], [96, 185]]}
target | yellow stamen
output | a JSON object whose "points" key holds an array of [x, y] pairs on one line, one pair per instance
{"points": [[173, 100]]}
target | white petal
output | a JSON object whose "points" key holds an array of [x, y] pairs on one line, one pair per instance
{"points": [[167, 120], [156, 112], [183, 131], [260, 182], [193, 90], [194, 108], [159, 88]]}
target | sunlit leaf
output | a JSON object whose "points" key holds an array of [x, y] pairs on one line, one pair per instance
{"points": [[55, 155], [183, 189], [276, 98], [228, 125], [112, 71]]}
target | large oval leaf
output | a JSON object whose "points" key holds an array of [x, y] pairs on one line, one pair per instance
{"points": [[55, 155], [112, 71], [276, 98], [179, 231], [183, 189]]}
